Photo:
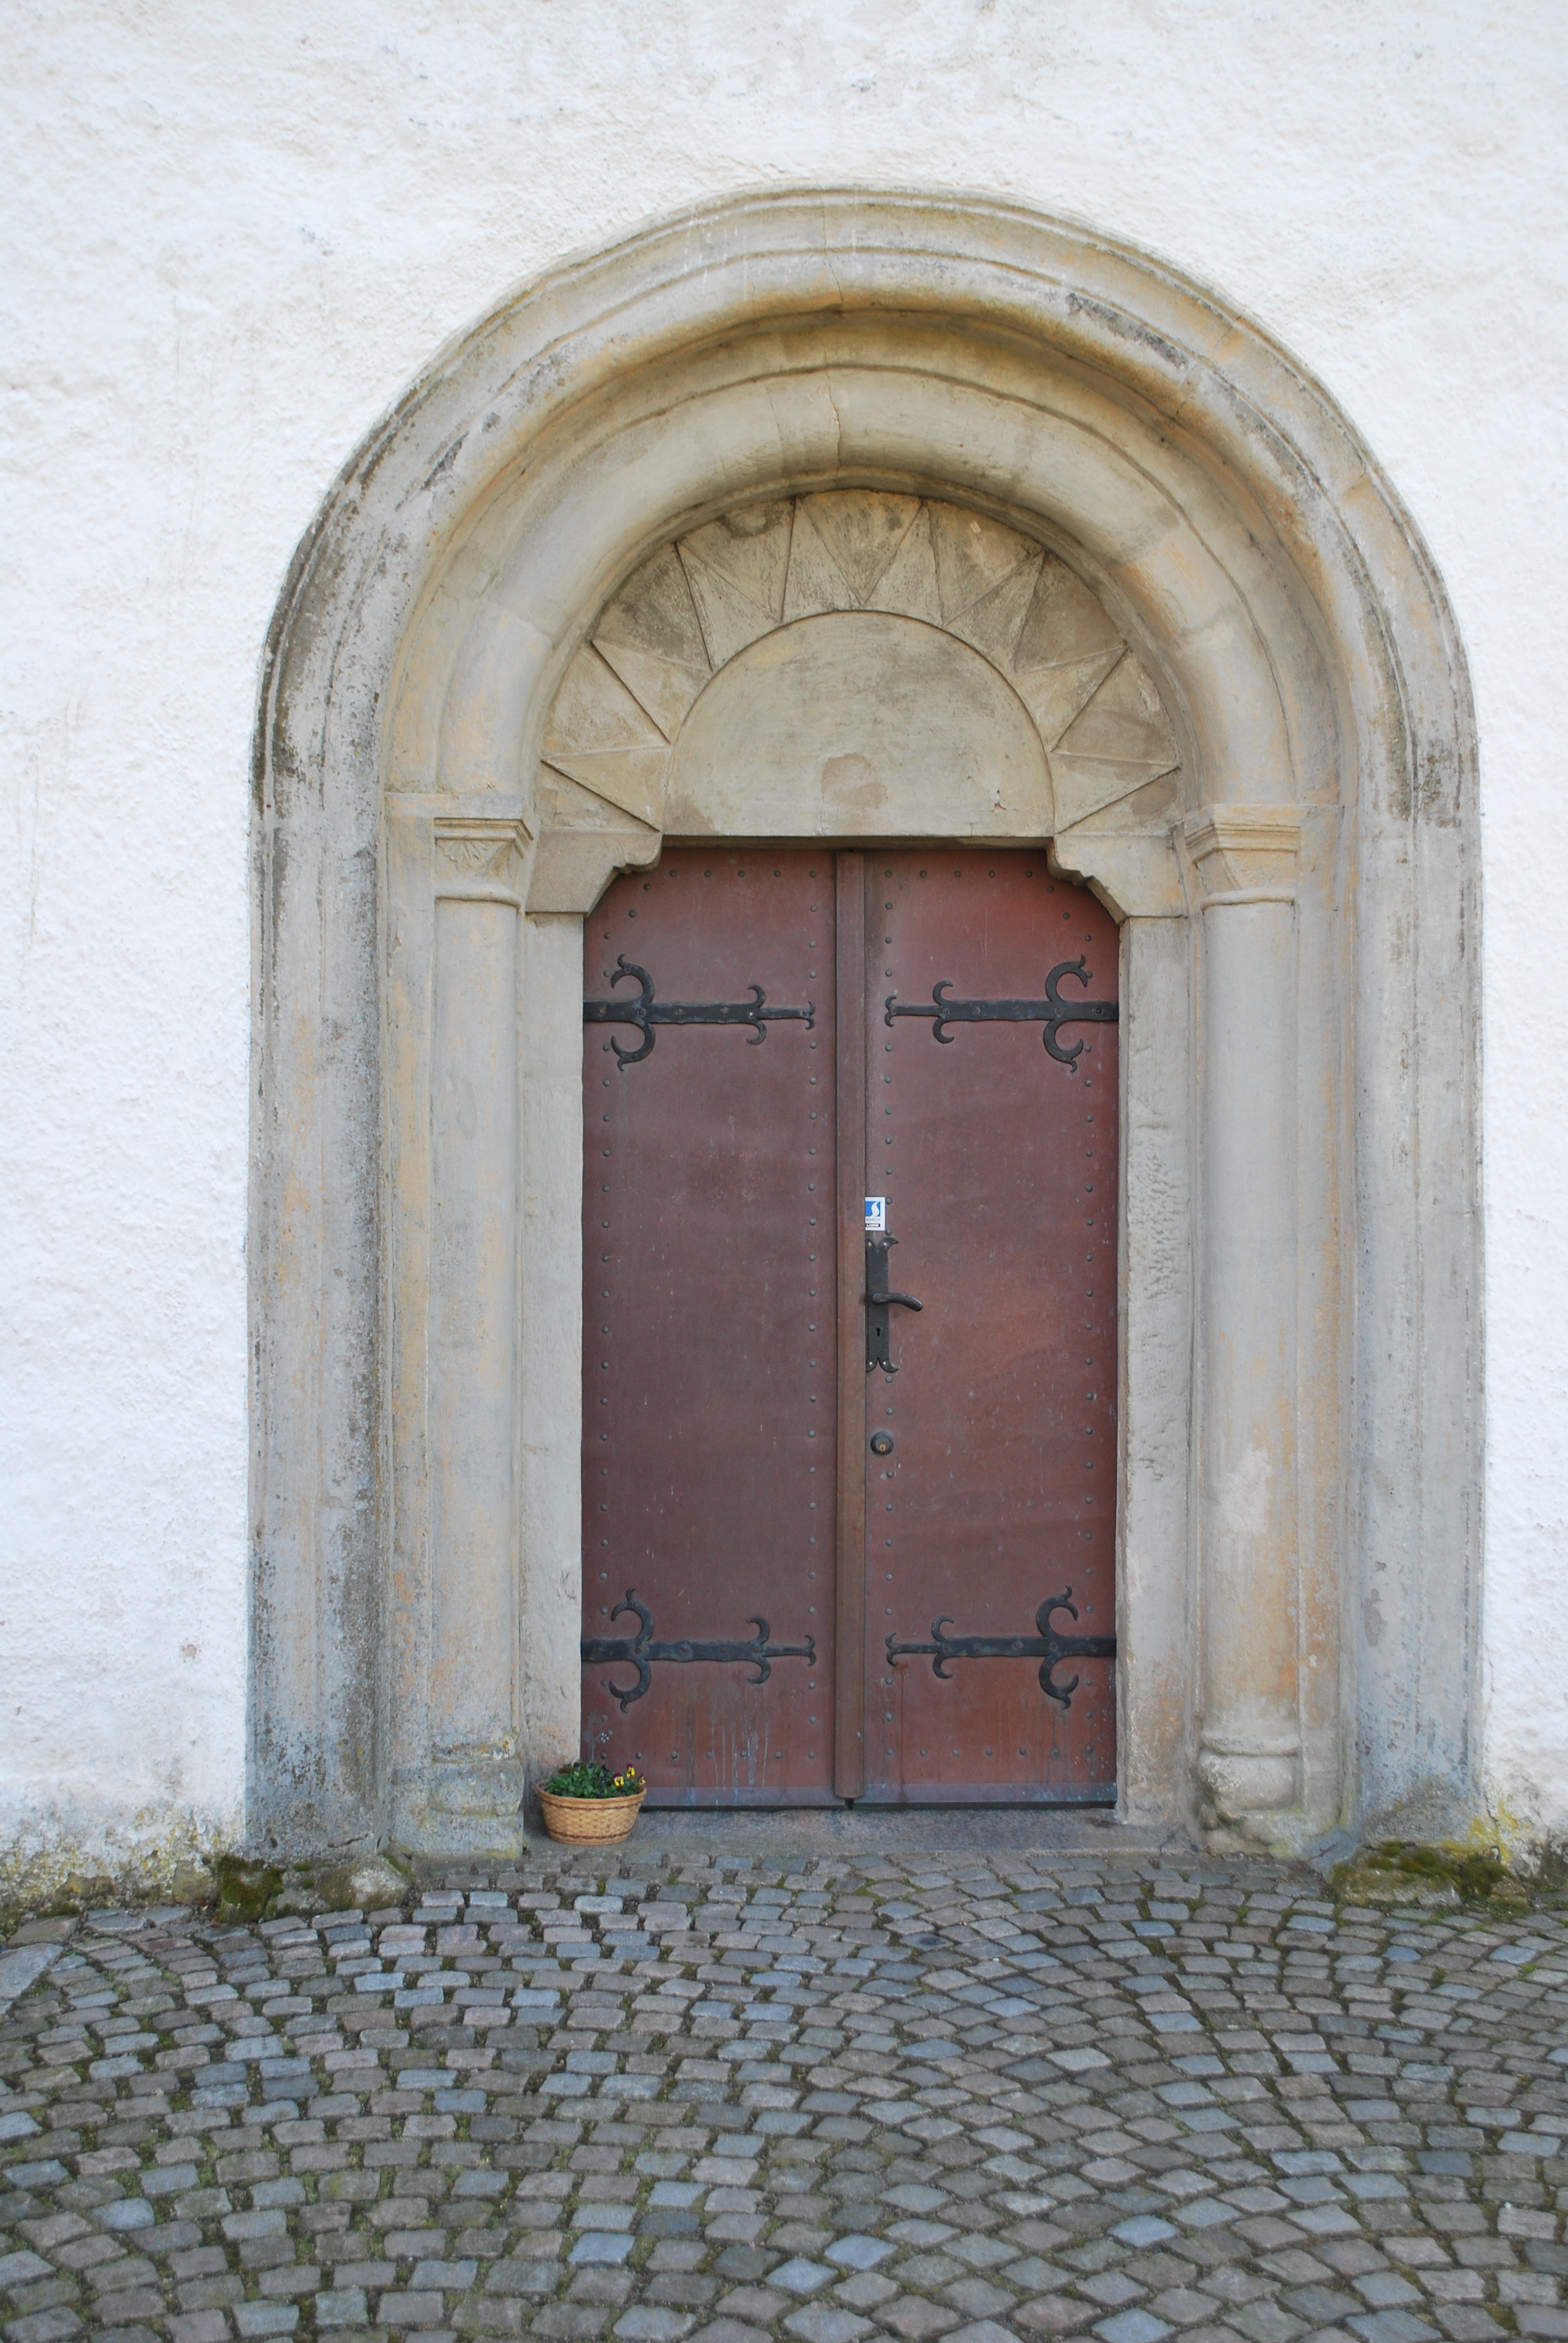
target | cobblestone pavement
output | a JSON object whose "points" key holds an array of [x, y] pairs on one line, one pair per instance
{"points": [[974, 2097]]}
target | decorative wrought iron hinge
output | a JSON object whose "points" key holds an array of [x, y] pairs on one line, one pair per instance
{"points": [[1052, 1012], [1046, 1646], [646, 1013], [641, 1650], [878, 1302]]}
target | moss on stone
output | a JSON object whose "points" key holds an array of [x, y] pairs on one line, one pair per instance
{"points": [[245, 1887], [81, 1891], [1406, 1871]]}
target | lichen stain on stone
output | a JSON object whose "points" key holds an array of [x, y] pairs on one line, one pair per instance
{"points": [[153, 1857], [851, 782], [1245, 1500]]}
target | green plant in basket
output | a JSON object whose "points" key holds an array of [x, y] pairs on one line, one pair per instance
{"points": [[595, 1780]]}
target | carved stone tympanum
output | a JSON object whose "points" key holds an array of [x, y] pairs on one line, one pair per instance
{"points": [[848, 664]]}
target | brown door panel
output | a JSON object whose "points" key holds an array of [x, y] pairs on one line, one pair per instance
{"points": [[709, 1362], [998, 1166], [728, 1474]]}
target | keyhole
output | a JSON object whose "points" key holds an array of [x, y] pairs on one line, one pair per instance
{"points": [[881, 1443]]}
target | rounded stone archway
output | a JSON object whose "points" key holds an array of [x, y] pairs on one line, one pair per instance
{"points": [[1121, 577]]}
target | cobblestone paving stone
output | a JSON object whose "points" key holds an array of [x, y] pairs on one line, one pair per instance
{"points": [[969, 2098]]}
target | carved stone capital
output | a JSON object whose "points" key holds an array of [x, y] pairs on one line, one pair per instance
{"points": [[481, 853], [1236, 849], [1137, 873]]}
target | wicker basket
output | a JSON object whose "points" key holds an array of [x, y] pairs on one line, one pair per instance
{"points": [[604, 1821]]}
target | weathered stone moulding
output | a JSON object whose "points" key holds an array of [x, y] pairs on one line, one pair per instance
{"points": [[851, 516]]}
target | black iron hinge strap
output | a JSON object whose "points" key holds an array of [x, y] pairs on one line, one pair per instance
{"points": [[1045, 1645], [1051, 1013], [646, 1013], [643, 1650]]}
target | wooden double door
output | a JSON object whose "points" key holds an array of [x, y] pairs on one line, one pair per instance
{"points": [[849, 1329]]}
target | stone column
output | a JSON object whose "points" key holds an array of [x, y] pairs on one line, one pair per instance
{"points": [[1250, 1732], [1140, 875], [1154, 1609], [552, 1267], [474, 1779]]}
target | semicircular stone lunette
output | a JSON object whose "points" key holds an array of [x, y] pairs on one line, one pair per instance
{"points": [[696, 605]]}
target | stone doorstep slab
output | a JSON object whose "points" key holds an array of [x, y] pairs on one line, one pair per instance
{"points": [[845, 1831]]}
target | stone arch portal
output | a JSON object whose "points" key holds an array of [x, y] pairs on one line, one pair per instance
{"points": [[858, 517]]}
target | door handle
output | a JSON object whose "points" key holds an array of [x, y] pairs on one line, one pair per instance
{"points": [[878, 1301]]}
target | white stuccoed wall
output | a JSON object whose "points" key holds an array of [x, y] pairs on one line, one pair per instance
{"points": [[236, 235]]}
